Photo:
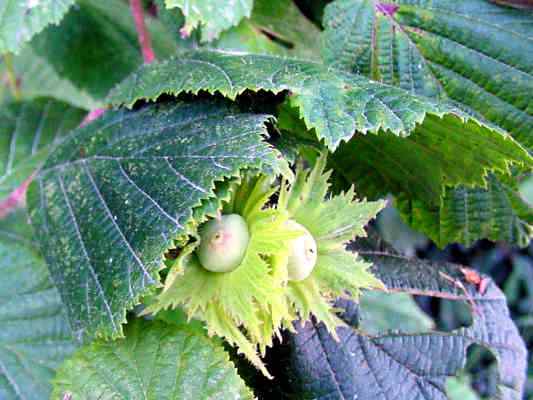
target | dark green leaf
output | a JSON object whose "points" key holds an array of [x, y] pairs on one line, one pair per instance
{"points": [[155, 361], [20, 20], [409, 366], [334, 103], [111, 199], [27, 132], [35, 336], [473, 52], [96, 45]]}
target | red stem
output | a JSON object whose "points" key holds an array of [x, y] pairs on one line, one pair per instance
{"points": [[143, 35], [15, 199]]}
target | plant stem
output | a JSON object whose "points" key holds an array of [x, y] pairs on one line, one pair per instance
{"points": [[15, 199], [142, 34], [92, 115], [11, 76]]}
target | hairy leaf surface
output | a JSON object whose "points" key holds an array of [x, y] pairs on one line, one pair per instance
{"points": [[96, 45], [155, 361], [409, 366], [20, 20], [214, 16], [474, 53], [28, 131], [35, 335], [112, 198], [334, 103]]}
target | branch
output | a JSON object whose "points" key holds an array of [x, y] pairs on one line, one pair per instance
{"points": [[143, 35]]}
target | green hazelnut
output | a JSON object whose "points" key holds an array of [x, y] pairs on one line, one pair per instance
{"points": [[302, 254], [223, 243]]}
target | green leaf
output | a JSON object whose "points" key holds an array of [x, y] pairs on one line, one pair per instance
{"points": [[469, 214], [155, 361], [214, 16], [444, 152], [20, 20], [36, 77], [28, 131], [409, 366], [96, 45], [474, 53], [388, 311], [459, 388], [276, 27], [35, 335], [334, 103], [113, 197]]}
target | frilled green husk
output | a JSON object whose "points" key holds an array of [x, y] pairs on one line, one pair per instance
{"points": [[249, 305]]}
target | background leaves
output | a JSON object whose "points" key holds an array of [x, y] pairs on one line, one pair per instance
{"points": [[474, 54], [110, 200], [212, 15], [96, 45], [35, 335], [28, 131], [408, 365], [20, 20]]}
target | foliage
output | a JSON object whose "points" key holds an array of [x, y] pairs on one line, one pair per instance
{"points": [[29, 130], [304, 119], [187, 365], [473, 54], [35, 333]]}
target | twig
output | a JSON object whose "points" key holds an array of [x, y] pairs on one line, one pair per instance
{"points": [[11, 76], [142, 34]]}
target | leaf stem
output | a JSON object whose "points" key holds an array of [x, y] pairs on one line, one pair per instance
{"points": [[143, 35], [11, 76]]}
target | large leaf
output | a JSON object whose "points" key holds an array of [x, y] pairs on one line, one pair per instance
{"points": [[27, 132], [111, 199], [409, 366], [214, 16], [334, 103], [155, 361], [473, 52], [96, 45], [20, 20], [35, 336], [36, 77]]}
